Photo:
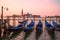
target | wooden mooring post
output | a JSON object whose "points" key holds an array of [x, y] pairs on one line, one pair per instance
{"points": [[13, 20]]}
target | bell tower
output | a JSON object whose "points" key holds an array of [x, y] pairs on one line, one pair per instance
{"points": [[22, 12]]}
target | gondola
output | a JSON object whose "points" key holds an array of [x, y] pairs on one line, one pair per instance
{"points": [[17, 29], [39, 29], [50, 30], [49, 26], [28, 29], [57, 26], [39, 26], [21, 24], [29, 26]]}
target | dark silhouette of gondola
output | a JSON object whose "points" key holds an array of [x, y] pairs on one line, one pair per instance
{"points": [[17, 29], [57, 26], [39, 29], [49, 26], [50, 30], [28, 29]]}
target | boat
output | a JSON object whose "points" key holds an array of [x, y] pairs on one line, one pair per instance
{"points": [[20, 26], [29, 26], [28, 29], [50, 30], [49, 26], [39, 29], [39, 26], [57, 26], [17, 30]]}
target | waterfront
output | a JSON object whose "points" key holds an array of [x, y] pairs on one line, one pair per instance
{"points": [[44, 35]]}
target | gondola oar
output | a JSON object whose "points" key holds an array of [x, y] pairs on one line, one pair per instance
{"points": [[39, 29], [28, 29]]}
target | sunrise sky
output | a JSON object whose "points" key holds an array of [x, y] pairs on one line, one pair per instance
{"points": [[38, 7]]}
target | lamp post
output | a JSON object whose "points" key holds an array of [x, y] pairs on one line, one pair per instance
{"points": [[2, 30], [2, 13]]}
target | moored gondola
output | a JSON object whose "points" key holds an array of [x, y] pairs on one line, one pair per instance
{"points": [[50, 30], [49, 26], [28, 29], [57, 26], [29, 26], [17, 29], [39, 26], [39, 29]]}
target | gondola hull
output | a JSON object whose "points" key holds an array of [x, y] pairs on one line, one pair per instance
{"points": [[16, 32], [27, 33], [57, 26], [28, 30], [39, 30], [12, 30], [38, 33], [51, 32]]}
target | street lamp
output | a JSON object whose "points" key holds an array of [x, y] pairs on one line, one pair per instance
{"points": [[2, 30], [2, 13]]}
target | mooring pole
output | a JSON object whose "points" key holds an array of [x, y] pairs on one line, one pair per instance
{"points": [[1, 19], [2, 14], [34, 23]]}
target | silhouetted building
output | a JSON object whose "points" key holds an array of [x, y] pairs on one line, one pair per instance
{"points": [[30, 15]]}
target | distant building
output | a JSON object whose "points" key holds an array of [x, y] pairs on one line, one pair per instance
{"points": [[26, 15], [36, 16], [30, 15], [57, 16], [52, 16]]}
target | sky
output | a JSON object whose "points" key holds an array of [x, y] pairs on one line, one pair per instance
{"points": [[35, 7]]}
